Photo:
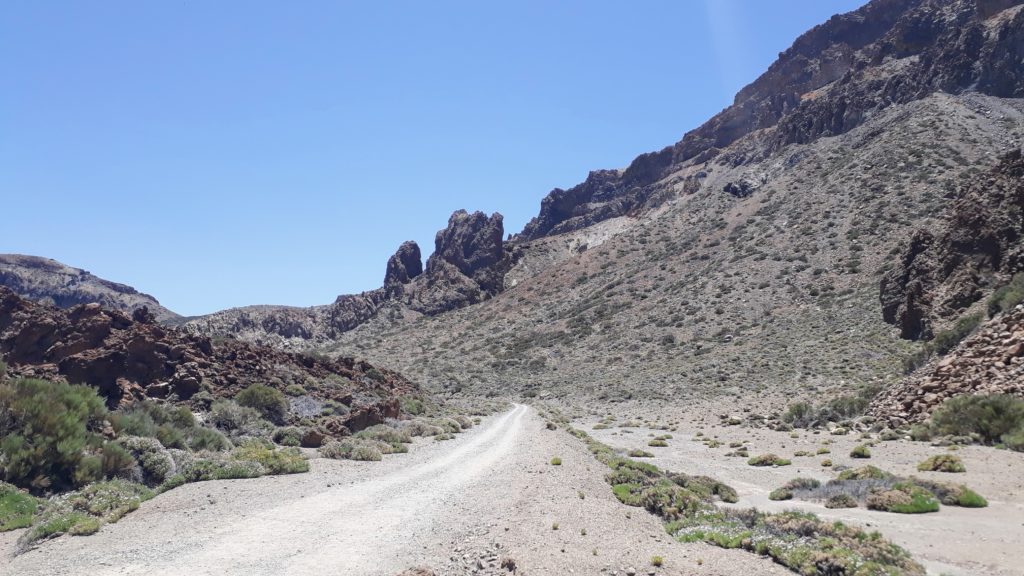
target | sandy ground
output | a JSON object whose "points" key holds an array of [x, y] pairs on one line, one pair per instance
{"points": [[458, 507], [954, 541]]}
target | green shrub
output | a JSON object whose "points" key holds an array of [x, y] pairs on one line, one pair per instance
{"points": [[840, 501], [903, 498], [865, 473], [238, 420], [780, 494], [942, 463], [349, 449], [47, 430], [269, 402], [85, 511], [990, 417], [294, 390], [202, 438], [768, 460], [637, 453], [279, 461], [154, 460], [288, 436], [1008, 296], [16, 508], [556, 461], [860, 451]]}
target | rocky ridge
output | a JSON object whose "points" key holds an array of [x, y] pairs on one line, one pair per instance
{"points": [[130, 358], [49, 281], [832, 79], [989, 362]]}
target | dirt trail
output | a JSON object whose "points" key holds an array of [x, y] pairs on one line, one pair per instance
{"points": [[457, 507]]}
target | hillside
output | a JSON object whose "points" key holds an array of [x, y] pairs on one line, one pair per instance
{"points": [[49, 281]]}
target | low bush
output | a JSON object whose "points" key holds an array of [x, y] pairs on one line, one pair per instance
{"points": [[556, 461], [841, 501], [942, 463], [637, 453], [903, 498], [768, 460], [269, 402], [991, 419], [288, 436], [860, 451], [86, 510], [350, 449], [274, 461], [657, 443], [239, 421]]}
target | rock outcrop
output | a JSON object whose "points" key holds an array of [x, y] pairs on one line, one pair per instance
{"points": [[829, 81], [940, 273], [403, 266], [49, 281], [989, 362], [128, 359], [468, 265]]}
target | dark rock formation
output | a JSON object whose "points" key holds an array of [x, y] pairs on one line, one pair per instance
{"points": [[943, 272], [128, 360], [468, 265], [49, 281], [405, 265], [829, 81]]}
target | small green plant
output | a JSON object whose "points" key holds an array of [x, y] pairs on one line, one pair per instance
{"points": [[768, 460], [841, 501], [637, 453], [942, 463], [657, 561], [269, 402], [556, 461], [16, 508], [554, 526], [657, 443], [903, 498], [860, 451], [1008, 296]]}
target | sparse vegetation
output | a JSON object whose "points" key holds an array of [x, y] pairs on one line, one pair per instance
{"points": [[987, 419], [942, 463], [860, 451], [768, 460], [556, 461]]}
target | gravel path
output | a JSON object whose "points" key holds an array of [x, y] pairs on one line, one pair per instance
{"points": [[458, 507]]}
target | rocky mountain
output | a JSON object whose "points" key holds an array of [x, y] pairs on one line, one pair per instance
{"points": [[747, 258], [132, 358], [49, 281], [769, 251]]}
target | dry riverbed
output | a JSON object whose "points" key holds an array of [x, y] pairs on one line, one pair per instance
{"points": [[953, 541]]}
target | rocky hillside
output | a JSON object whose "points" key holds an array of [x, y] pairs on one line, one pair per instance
{"points": [[989, 362], [941, 273], [747, 258], [49, 281], [133, 358]]}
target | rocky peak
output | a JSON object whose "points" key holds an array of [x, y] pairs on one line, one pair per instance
{"points": [[403, 266], [472, 243]]}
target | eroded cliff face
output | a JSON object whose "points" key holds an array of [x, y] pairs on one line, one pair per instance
{"points": [[831, 80], [940, 273]]}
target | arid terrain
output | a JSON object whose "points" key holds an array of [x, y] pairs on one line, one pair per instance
{"points": [[790, 342]]}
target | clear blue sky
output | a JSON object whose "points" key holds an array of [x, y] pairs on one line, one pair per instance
{"points": [[218, 154]]}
